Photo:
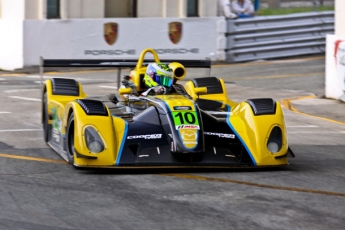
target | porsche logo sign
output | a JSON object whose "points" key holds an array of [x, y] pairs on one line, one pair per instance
{"points": [[175, 32], [110, 32]]}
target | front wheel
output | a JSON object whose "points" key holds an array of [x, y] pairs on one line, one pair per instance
{"points": [[70, 139]]}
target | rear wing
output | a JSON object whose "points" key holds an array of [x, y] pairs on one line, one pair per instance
{"points": [[116, 63]]}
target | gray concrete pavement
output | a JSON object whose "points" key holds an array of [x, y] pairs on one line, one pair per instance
{"points": [[40, 191], [322, 107]]}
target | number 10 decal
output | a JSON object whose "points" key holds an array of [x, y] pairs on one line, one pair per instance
{"points": [[186, 120]]}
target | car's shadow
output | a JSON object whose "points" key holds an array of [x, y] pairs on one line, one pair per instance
{"points": [[146, 170]]}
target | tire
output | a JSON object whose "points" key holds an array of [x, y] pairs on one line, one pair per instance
{"points": [[45, 119], [70, 139]]}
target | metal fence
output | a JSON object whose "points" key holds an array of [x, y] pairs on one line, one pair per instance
{"points": [[294, 3], [278, 36]]}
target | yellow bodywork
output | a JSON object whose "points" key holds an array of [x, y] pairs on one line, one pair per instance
{"points": [[253, 130], [112, 139]]}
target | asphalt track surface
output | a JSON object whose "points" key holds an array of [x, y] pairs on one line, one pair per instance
{"points": [[40, 191]]}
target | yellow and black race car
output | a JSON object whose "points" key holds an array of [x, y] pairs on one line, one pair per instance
{"points": [[194, 125]]}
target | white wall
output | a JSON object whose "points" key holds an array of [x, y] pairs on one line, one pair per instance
{"points": [[11, 44], [339, 17], [13, 9], [84, 39], [335, 56], [335, 67]]}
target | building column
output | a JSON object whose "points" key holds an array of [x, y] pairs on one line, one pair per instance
{"points": [[63, 9], [207, 8], [174, 8], [42, 9]]}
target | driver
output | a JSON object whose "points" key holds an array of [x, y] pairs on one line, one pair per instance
{"points": [[158, 79]]}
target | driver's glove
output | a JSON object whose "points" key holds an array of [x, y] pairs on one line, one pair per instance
{"points": [[159, 89]]}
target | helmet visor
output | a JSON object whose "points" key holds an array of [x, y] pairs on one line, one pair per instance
{"points": [[163, 79]]}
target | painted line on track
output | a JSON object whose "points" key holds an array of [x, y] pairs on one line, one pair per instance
{"points": [[32, 158], [18, 90], [28, 75], [269, 62], [18, 130], [275, 76], [194, 177], [85, 71], [108, 87], [288, 105], [316, 132], [302, 126], [12, 74], [25, 98], [202, 178], [5, 112]]}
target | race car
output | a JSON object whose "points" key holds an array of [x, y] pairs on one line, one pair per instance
{"points": [[195, 125]]}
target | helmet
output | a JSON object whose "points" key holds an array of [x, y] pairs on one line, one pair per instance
{"points": [[158, 74]]}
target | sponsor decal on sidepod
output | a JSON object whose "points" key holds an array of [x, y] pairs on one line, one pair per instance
{"points": [[149, 136], [221, 135]]}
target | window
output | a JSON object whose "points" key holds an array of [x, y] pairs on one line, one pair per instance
{"points": [[192, 8], [133, 8], [53, 9], [120, 8]]}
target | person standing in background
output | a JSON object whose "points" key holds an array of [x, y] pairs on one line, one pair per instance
{"points": [[243, 8], [224, 9]]}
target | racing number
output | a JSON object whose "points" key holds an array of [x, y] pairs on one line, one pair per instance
{"points": [[188, 117]]}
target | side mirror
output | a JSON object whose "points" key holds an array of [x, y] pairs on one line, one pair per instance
{"points": [[123, 91], [200, 90]]}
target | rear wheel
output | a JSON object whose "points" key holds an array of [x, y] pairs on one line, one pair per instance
{"points": [[70, 139], [45, 118]]}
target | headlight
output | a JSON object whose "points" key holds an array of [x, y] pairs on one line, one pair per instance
{"points": [[273, 147], [275, 141], [95, 147], [93, 141]]}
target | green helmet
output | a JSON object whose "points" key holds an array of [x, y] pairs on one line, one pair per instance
{"points": [[158, 74]]}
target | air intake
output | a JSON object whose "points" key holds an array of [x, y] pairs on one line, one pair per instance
{"points": [[263, 106], [66, 87], [212, 84], [93, 107]]}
